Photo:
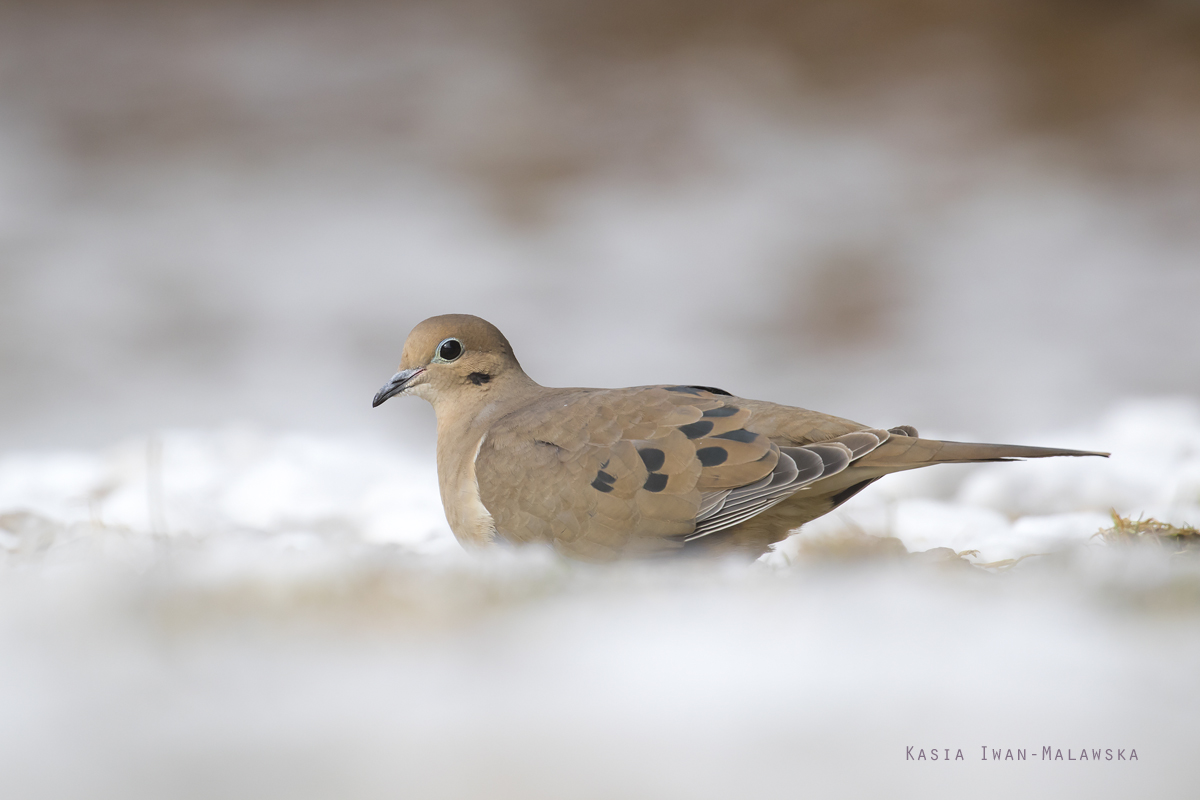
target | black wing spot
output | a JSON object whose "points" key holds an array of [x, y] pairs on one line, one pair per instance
{"points": [[712, 456], [653, 458], [723, 411], [713, 390], [695, 430], [656, 482], [740, 435], [603, 481], [479, 378]]}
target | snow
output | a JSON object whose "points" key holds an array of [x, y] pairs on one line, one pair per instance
{"points": [[244, 613]]}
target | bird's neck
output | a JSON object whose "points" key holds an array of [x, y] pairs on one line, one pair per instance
{"points": [[474, 407], [461, 426]]}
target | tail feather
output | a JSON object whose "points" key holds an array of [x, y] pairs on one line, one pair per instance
{"points": [[904, 452]]}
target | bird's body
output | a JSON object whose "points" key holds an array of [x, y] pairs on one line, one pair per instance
{"points": [[602, 474]]}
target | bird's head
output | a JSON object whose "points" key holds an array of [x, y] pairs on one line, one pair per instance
{"points": [[452, 356]]}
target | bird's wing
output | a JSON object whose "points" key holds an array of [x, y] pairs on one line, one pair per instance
{"points": [[797, 468], [602, 473]]}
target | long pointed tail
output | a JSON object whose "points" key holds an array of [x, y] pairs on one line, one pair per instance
{"points": [[908, 452]]}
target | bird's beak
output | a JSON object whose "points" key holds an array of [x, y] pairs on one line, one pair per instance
{"points": [[396, 385]]}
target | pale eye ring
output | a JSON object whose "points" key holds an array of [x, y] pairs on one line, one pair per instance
{"points": [[448, 350]]}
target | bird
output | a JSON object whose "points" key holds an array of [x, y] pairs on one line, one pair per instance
{"points": [[641, 472]]}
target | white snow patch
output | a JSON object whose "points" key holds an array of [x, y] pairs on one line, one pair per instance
{"points": [[226, 613]]}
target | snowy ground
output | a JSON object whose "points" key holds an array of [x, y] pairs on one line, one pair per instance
{"points": [[232, 613]]}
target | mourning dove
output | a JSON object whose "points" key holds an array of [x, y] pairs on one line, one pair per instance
{"points": [[601, 474]]}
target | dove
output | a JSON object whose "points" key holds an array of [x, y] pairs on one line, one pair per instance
{"points": [[606, 474]]}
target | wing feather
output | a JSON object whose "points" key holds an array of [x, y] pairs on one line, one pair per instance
{"points": [[642, 470], [797, 467]]}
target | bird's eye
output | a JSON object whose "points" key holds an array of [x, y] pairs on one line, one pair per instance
{"points": [[449, 350]]}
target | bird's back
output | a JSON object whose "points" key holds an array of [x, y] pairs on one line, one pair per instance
{"points": [[606, 473]]}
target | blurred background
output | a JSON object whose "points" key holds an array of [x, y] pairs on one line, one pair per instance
{"points": [[979, 218], [225, 575]]}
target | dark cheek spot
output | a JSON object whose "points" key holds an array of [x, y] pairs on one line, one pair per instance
{"points": [[479, 378], [712, 456], [656, 482], [653, 458], [696, 429]]}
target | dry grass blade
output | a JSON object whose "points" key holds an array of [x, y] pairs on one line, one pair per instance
{"points": [[1004, 563], [1125, 530]]}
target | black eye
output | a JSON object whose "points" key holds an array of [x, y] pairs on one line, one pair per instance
{"points": [[450, 349]]}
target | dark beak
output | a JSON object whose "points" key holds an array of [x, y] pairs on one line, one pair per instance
{"points": [[396, 385]]}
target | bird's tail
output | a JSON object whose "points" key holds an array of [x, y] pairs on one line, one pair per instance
{"points": [[901, 452]]}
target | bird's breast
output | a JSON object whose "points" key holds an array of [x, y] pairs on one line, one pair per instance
{"points": [[469, 519]]}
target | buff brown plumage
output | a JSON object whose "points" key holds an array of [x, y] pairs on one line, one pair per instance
{"points": [[601, 474]]}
